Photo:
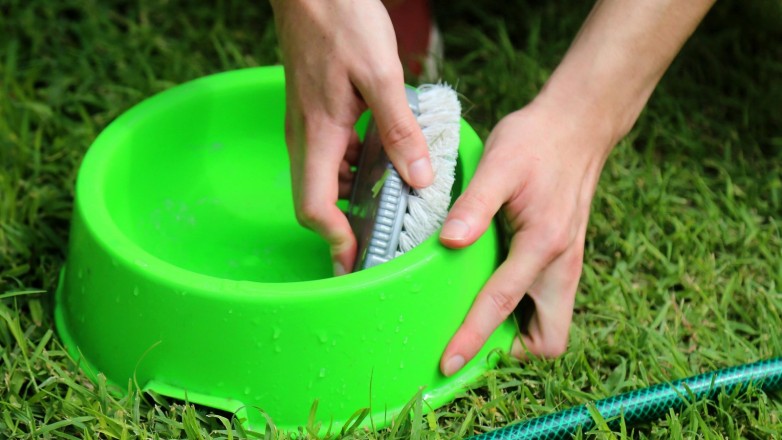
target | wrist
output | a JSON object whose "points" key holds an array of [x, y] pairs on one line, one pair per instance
{"points": [[619, 56], [584, 110], [609, 101]]}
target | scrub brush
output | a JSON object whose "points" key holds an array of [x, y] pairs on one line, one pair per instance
{"points": [[387, 216]]}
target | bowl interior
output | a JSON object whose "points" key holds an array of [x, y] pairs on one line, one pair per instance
{"points": [[211, 201]]}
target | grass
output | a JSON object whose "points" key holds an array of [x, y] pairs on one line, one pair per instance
{"points": [[683, 250]]}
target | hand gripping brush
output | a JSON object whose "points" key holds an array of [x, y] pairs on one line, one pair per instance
{"points": [[387, 216]]}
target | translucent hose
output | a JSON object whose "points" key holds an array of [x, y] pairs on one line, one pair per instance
{"points": [[646, 404]]}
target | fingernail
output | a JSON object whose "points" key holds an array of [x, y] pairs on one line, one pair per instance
{"points": [[454, 364], [421, 174], [339, 269], [455, 230]]}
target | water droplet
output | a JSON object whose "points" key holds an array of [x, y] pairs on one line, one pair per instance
{"points": [[382, 296], [80, 274], [277, 332], [230, 311], [334, 343], [247, 391], [322, 373], [135, 291], [259, 344], [323, 338], [257, 321], [114, 262], [396, 330], [401, 318], [117, 300], [277, 349], [402, 365], [406, 340], [415, 288], [183, 293]]}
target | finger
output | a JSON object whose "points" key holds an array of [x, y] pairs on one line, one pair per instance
{"points": [[345, 190], [400, 133], [346, 169], [546, 334], [354, 149], [494, 303], [473, 211], [553, 296], [335, 229], [346, 176], [318, 191], [345, 173], [294, 143]]}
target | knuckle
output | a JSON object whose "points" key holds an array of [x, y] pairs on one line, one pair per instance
{"points": [[551, 341], [388, 74], [554, 240], [399, 132], [574, 262], [474, 202], [308, 212], [504, 302], [378, 76], [554, 348]]}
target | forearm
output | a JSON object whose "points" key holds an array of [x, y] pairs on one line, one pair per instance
{"points": [[619, 56]]}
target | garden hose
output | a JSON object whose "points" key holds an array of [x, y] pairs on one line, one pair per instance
{"points": [[645, 404]]}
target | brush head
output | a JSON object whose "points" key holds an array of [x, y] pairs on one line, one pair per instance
{"points": [[387, 216]]}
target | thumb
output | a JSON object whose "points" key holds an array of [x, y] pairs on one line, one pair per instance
{"points": [[473, 211], [400, 133]]}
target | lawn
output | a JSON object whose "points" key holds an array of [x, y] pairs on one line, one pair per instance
{"points": [[683, 253]]}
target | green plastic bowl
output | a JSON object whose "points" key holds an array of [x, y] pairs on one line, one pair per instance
{"points": [[188, 274]]}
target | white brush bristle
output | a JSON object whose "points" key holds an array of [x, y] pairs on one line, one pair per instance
{"points": [[439, 118]]}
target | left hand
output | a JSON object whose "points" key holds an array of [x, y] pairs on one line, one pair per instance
{"points": [[541, 166]]}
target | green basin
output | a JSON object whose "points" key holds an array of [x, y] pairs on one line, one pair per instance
{"points": [[188, 274]]}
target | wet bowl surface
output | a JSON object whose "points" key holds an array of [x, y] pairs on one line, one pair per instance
{"points": [[188, 274]]}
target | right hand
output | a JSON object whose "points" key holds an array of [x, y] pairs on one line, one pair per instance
{"points": [[341, 58]]}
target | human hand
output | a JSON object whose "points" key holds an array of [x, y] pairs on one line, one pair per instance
{"points": [[540, 169], [542, 163], [340, 59]]}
